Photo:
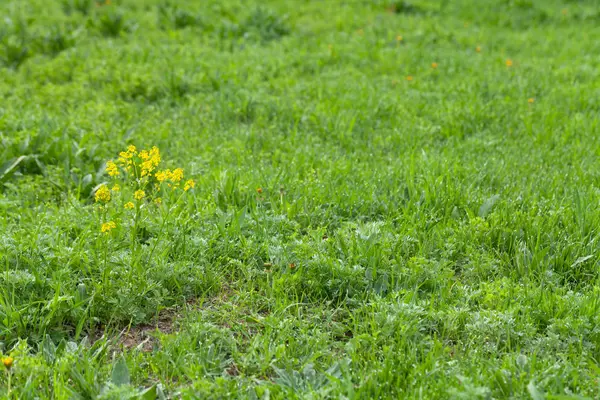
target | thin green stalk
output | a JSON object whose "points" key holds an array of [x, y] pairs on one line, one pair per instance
{"points": [[163, 224], [9, 389]]}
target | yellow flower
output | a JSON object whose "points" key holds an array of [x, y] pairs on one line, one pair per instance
{"points": [[162, 176], [399, 38], [125, 157], [409, 78], [434, 65], [129, 205], [102, 194], [531, 100], [158, 200], [176, 175], [108, 226], [189, 185], [151, 160], [112, 168], [139, 194], [478, 49], [144, 155], [509, 63], [155, 156], [8, 362], [116, 187]]}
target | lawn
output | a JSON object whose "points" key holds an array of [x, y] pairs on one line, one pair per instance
{"points": [[360, 199]]}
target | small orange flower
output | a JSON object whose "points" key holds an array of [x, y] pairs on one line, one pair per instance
{"points": [[292, 266], [509, 62], [409, 78], [478, 49], [8, 362], [434, 65], [399, 38], [259, 190]]}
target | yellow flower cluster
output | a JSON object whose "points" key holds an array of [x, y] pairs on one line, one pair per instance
{"points": [[102, 194], [139, 194], [138, 170], [174, 176], [189, 184], [142, 162], [112, 168], [137, 181], [150, 160], [126, 157], [108, 226]]}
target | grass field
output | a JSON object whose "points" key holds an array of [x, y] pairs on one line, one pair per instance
{"points": [[390, 199]]}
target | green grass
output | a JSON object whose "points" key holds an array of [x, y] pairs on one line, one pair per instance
{"points": [[428, 238]]}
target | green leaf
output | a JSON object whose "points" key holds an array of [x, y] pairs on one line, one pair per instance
{"points": [[581, 260], [160, 393], [534, 392], [9, 168], [49, 350], [487, 205], [522, 361], [147, 394], [120, 373]]}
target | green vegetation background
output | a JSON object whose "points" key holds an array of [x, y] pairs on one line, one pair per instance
{"points": [[421, 233]]}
